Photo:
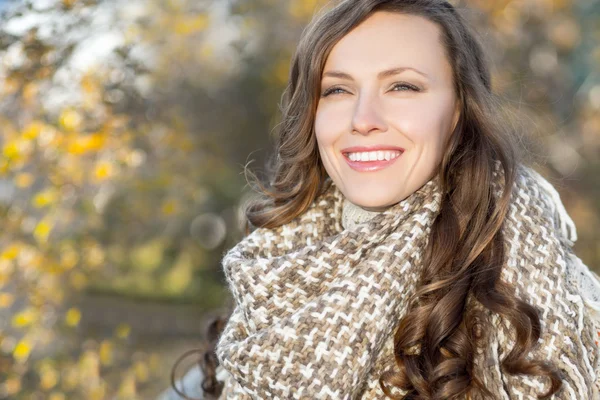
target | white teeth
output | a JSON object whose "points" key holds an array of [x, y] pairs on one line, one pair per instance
{"points": [[374, 155]]}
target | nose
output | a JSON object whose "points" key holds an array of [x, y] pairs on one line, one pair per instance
{"points": [[368, 116]]}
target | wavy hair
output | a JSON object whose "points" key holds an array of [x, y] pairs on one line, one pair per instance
{"points": [[466, 251]]}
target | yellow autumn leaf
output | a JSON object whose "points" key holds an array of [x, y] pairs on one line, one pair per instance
{"points": [[24, 318], [188, 25], [32, 130], [6, 300], [24, 180], [57, 396], [89, 367], [98, 392], [123, 331], [70, 120], [11, 252], [12, 150], [42, 230], [141, 371], [169, 207], [106, 353], [127, 388], [73, 316], [89, 83], [45, 197], [48, 377], [179, 276], [22, 350], [104, 170], [4, 167], [53, 268], [88, 143]]}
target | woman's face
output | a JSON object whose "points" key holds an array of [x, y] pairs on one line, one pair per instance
{"points": [[386, 110]]}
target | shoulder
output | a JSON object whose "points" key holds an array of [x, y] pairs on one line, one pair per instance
{"points": [[551, 203], [583, 280]]}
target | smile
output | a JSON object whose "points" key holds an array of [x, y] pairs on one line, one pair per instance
{"points": [[365, 161]]}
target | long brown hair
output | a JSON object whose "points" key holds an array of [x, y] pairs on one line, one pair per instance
{"points": [[466, 251]]}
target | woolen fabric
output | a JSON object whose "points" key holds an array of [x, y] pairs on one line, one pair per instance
{"points": [[317, 302]]}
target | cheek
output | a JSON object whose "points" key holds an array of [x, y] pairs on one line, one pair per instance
{"points": [[425, 124], [328, 126]]}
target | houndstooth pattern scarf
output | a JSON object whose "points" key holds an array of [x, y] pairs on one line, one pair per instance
{"points": [[317, 304]]}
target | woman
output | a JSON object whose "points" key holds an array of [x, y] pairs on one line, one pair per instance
{"points": [[402, 248]]}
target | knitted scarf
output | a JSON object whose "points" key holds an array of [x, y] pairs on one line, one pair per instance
{"points": [[317, 304]]}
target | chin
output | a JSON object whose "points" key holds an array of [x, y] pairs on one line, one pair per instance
{"points": [[370, 200]]}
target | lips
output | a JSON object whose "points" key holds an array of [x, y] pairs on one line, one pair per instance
{"points": [[369, 159]]}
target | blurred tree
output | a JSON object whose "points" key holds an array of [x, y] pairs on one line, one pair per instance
{"points": [[102, 192]]}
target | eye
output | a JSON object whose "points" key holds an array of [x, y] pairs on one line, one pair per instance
{"points": [[406, 86], [332, 90]]}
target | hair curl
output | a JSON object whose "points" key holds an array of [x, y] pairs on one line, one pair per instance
{"points": [[465, 254]]}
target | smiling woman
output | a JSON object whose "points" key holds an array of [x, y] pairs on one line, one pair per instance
{"points": [[381, 104], [402, 247]]}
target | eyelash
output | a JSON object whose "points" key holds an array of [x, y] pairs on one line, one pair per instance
{"points": [[410, 87]]}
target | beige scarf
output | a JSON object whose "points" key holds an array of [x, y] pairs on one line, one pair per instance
{"points": [[317, 302]]}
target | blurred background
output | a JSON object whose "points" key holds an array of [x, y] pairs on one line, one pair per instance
{"points": [[124, 130]]}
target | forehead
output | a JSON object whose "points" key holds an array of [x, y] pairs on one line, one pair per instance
{"points": [[389, 39]]}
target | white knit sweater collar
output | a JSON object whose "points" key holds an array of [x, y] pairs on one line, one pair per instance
{"points": [[353, 215]]}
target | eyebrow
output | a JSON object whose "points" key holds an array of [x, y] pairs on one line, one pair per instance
{"points": [[383, 74]]}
